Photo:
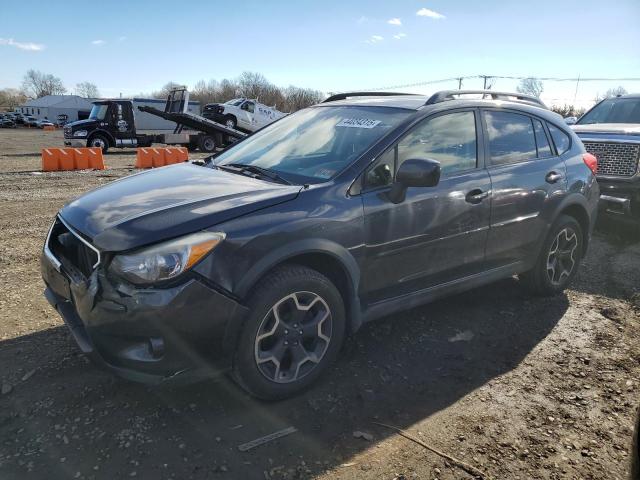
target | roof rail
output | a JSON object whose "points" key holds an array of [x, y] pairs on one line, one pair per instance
{"points": [[344, 96], [514, 97]]}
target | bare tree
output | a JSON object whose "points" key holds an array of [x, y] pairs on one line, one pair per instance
{"points": [[87, 90], [11, 98], [297, 98], [37, 84], [164, 91], [612, 92], [531, 86], [568, 110]]}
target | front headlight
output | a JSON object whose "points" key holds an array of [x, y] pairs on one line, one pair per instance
{"points": [[80, 133], [165, 260]]}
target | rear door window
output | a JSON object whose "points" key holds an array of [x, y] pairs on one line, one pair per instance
{"points": [[560, 139], [542, 142], [511, 137]]}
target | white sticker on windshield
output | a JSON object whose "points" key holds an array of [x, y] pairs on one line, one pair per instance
{"points": [[358, 123]]}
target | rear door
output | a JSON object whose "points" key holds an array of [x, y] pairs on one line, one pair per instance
{"points": [[528, 180], [437, 234]]}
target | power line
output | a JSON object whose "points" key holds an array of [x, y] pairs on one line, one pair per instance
{"points": [[505, 77]]}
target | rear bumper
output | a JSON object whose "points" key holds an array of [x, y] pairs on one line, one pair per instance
{"points": [[620, 198], [179, 334]]}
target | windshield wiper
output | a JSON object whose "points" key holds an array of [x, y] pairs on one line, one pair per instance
{"points": [[265, 172]]}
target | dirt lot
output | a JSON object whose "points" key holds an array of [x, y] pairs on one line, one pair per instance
{"points": [[518, 387]]}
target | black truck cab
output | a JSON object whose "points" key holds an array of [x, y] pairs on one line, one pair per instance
{"points": [[111, 123]]}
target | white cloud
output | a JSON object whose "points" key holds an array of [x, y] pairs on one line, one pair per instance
{"points": [[394, 21], [28, 46], [98, 43], [425, 12], [374, 39], [362, 20], [399, 36], [122, 39]]}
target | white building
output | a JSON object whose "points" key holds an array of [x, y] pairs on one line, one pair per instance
{"points": [[50, 106]]}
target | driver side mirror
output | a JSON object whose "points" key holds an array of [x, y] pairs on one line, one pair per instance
{"points": [[570, 120], [414, 172]]}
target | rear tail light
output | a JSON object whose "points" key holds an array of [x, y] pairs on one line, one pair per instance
{"points": [[590, 161]]}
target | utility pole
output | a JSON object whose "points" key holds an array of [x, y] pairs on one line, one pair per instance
{"points": [[460, 83], [575, 95]]}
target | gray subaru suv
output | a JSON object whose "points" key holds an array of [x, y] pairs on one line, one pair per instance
{"points": [[262, 259]]}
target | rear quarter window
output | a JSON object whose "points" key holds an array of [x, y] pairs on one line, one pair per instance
{"points": [[561, 139]]}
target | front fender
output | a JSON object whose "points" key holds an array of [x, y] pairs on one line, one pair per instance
{"points": [[302, 247]]}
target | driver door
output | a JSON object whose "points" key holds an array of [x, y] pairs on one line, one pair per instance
{"points": [[246, 118], [437, 234]]}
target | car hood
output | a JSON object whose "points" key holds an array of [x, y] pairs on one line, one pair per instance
{"points": [[81, 123], [168, 202], [622, 128]]}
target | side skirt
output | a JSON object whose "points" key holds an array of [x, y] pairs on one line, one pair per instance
{"points": [[415, 299]]}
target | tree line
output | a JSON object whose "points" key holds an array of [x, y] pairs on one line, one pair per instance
{"points": [[248, 85], [36, 84]]}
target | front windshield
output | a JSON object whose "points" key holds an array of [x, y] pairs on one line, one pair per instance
{"points": [[313, 145], [235, 101], [99, 111], [613, 110]]}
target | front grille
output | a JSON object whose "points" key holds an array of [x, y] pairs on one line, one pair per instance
{"points": [[72, 252], [615, 159], [67, 132]]}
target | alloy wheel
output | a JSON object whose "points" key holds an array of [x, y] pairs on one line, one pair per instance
{"points": [[230, 123], [561, 259], [293, 337]]}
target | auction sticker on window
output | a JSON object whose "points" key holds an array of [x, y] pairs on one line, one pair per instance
{"points": [[358, 123]]}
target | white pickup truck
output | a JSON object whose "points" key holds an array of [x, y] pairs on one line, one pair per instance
{"points": [[242, 113]]}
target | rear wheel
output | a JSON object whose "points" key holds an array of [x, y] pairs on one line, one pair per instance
{"points": [[98, 141], [559, 258], [206, 143], [293, 332]]}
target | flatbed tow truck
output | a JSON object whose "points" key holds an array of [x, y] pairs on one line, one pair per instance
{"points": [[114, 124]]}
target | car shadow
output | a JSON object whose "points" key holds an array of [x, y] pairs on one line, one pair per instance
{"points": [[398, 370]]}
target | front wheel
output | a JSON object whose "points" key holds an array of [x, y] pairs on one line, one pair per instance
{"points": [[98, 141], [230, 121], [559, 258], [293, 332]]}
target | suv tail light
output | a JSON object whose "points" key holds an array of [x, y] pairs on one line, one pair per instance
{"points": [[590, 161]]}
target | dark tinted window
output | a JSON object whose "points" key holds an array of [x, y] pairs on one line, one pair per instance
{"points": [[511, 137], [380, 173], [449, 139], [544, 149], [614, 110], [561, 139]]}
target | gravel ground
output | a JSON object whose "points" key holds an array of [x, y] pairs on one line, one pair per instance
{"points": [[518, 387]]}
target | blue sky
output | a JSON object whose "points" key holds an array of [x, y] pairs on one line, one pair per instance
{"points": [[137, 46]]}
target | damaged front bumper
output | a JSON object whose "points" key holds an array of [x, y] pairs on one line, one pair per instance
{"points": [[151, 335]]}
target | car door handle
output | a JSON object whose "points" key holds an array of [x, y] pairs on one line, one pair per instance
{"points": [[553, 177], [476, 196]]}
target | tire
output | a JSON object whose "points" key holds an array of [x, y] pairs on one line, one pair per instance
{"points": [[98, 141], [559, 258], [310, 326], [230, 121], [206, 143]]}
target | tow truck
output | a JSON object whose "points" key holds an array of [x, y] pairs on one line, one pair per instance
{"points": [[122, 123]]}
